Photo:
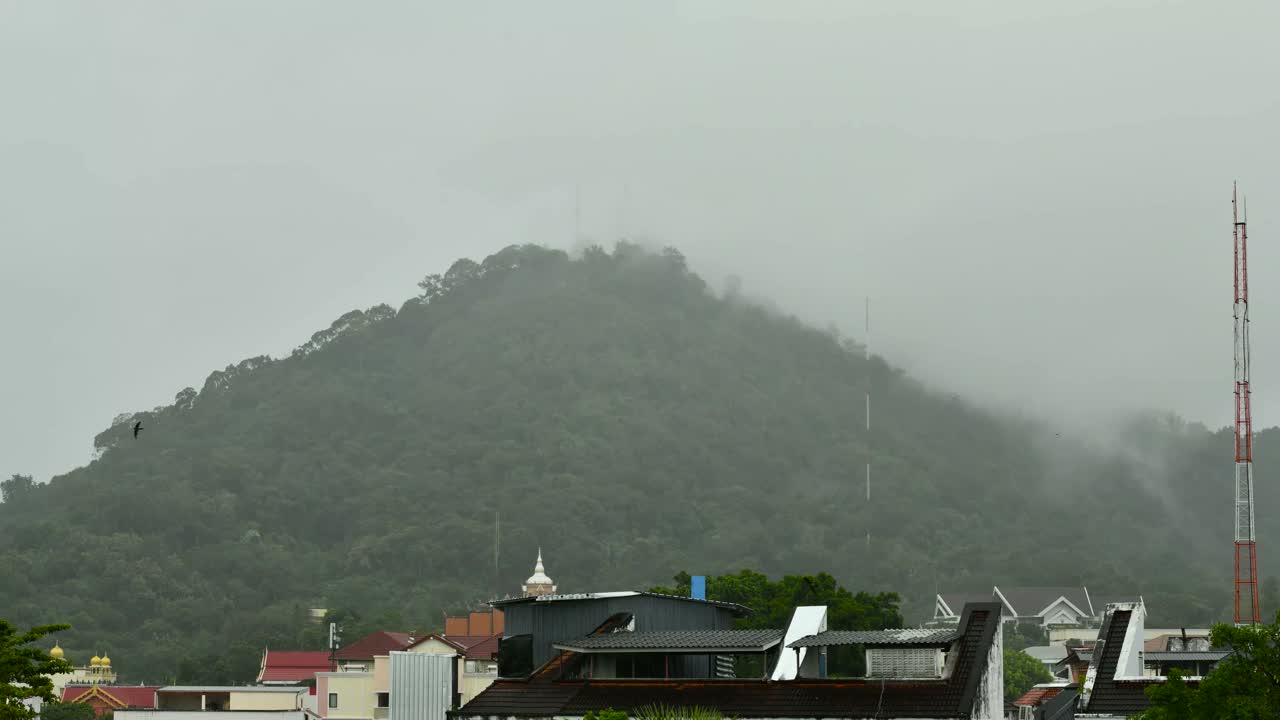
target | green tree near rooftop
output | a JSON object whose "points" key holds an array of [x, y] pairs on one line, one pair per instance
{"points": [[1021, 673], [772, 602], [67, 711], [25, 669], [1244, 686]]}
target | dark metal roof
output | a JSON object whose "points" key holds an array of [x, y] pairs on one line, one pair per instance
{"points": [[952, 697], [741, 609], [1191, 656], [676, 640], [916, 637]]}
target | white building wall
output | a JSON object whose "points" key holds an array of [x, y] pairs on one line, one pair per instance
{"points": [[354, 691], [1130, 661], [271, 702], [210, 715]]}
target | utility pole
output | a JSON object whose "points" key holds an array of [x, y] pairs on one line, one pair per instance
{"points": [[335, 639], [867, 395]]}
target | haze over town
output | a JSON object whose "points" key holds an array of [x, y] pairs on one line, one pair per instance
{"points": [[1035, 198]]}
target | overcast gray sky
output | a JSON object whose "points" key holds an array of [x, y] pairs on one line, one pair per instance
{"points": [[1034, 194]]}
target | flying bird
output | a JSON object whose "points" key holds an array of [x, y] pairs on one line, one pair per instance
{"points": [[136, 427]]}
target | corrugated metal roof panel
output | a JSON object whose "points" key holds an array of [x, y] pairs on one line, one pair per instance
{"points": [[703, 640], [607, 595], [1193, 656], [920, 637], [421, 686]]}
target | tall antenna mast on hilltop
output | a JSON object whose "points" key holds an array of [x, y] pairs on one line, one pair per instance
{"points": [[1246, 573], [497, 544], [867, 338]]}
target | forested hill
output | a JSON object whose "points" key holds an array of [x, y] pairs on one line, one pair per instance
{"points": [[612, 409]]}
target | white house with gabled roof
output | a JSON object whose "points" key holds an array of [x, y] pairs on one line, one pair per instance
{"points": [[1046, 606]]}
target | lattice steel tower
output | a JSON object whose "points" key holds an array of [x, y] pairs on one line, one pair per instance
{"points": [[1246, 581]]}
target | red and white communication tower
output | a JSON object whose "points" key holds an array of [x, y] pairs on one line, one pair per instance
{"points": [[1246, 583]]}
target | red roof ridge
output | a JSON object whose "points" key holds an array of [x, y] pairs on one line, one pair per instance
{"points": [[118, 696], [378, 642]]}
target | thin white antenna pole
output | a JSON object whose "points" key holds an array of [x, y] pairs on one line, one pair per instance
{"points": [[867, 340]]}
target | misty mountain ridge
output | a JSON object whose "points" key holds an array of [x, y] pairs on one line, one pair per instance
{"points": [[615, 410]]}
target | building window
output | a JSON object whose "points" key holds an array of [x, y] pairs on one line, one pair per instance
{"points": [[333, 700], [640, 665], [384, 700]]}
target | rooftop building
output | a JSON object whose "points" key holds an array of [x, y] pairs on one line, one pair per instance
{"points": [[624, 662]]}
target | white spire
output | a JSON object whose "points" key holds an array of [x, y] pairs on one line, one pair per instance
{"points": [[538, 583]]}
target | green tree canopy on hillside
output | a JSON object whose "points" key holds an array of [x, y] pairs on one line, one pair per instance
{"points": [[17, 488], [613, 409]]}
